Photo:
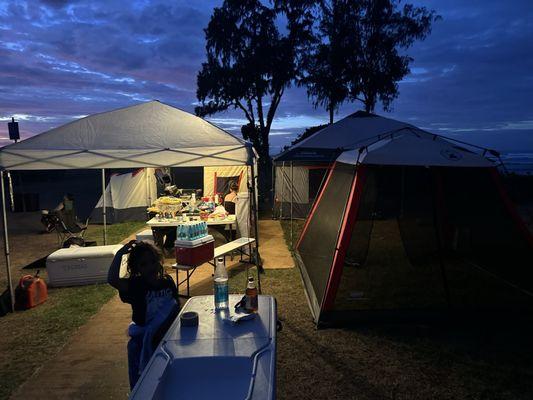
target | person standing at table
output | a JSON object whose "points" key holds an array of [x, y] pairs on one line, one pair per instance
{"points": [[229, 203], [231, 198]]}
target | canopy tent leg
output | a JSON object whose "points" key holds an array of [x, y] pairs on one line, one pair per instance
{"points": [[6, 244], [253, 211], [11, 195], [282, 187], [273, 193], [104, 216], [148, 186], [292, 188]]}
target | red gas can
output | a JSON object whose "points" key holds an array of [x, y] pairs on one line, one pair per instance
{"points": [[30, 292], [195, 252]]}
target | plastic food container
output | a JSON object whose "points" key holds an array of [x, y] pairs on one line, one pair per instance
{"points": [[195, 252]]}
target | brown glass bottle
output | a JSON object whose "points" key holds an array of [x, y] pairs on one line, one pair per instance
{"points": [[251, 302]]}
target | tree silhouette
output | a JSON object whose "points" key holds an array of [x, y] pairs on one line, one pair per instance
{"points": [[325, 73], [360, 55], [250, 64]]}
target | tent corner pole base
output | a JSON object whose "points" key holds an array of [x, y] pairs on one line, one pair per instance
{"points": [[6, 244]]}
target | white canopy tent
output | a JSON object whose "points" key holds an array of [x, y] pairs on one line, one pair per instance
{"points": [[150, 134]]}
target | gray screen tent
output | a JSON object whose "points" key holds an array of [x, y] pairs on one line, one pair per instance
{"points": [[411, 225]]}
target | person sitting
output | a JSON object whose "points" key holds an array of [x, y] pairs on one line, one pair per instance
{"points": [[153, 298], [231, 198], [66, 204], [67, 211]]}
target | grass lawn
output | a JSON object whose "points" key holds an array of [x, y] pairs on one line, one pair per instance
{"points": [[31, 337], [392, 360]]}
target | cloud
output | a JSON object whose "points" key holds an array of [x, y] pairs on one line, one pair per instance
{"points": [[60, 59]]}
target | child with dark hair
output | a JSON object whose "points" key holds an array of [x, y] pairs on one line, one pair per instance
{"points": [[153, 298]]}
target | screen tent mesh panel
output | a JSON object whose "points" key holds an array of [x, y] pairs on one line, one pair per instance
{"points": [[433, 238], [478, 228], [318, 245]]}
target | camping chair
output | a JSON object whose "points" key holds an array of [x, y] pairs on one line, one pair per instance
{"points": [[67, 225]]}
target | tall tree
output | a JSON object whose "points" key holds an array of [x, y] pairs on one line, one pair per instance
{"points": [[361, 54], [249, 65], [325, 72], [386, 29]]}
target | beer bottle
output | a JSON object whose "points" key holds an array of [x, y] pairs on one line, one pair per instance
{"points": [[251, 303]]}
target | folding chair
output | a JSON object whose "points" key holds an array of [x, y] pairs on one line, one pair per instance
{"points": [[67, 226]]}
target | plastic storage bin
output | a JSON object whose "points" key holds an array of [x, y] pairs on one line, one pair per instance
{"points": [[195, 252], [81, 265]]}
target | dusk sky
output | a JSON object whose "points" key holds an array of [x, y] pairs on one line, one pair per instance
{"points": [[61, 59]]}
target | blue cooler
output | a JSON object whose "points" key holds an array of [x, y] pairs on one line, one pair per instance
{"points": [[216, 359]]}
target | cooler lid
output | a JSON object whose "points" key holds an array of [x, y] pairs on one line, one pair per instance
{"points": [[195, 242], [85, 252]]}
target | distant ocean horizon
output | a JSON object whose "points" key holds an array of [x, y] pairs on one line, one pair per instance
{"points": [[521, 163]]}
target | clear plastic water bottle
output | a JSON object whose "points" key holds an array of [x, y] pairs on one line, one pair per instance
{"points": [[181, 232], [221, 285]]}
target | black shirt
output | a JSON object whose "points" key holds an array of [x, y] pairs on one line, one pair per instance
{"points": [[145, 298]]}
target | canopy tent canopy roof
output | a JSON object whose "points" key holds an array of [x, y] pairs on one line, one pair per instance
{"points": [[354, 131], [410, 148], [150, 134], [348, 133]]}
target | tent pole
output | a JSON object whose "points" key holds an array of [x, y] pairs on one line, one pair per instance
{"points": [[11, 196], [253, 211], [253, 207], [273, 188], [148, 187], [104, 216], [292, 189], [6, 244], [282, 187]]}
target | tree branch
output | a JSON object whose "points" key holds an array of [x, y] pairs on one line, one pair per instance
{"points": [[248, 117], [273, 107], [251, 110], [260, 113]]}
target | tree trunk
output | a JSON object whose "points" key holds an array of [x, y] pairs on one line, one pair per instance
{"points": [[331, 110], [265, 177]]}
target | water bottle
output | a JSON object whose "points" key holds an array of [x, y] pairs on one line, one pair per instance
{"points": [[196, 230], [221, 285], [181, 232]]}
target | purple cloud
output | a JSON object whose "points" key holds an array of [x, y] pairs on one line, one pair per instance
{"points": [[60, 59]]}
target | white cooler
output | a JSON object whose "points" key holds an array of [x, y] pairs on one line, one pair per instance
{"points": [[81, 265], [145, 236]]}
